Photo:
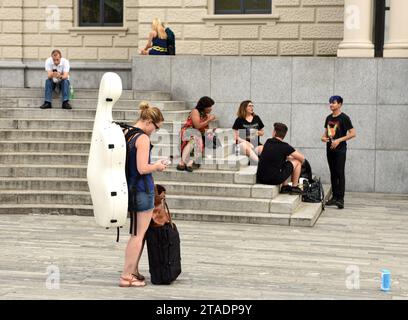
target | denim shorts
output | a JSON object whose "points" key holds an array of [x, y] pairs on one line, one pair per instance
{"points": [[140, 201]]}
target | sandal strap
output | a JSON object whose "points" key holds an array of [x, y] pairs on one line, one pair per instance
{"points": [[129, 280]]}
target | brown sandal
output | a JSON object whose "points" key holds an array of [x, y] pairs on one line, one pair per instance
{"points": [[132, 282], [138, 276], [181, 167]]}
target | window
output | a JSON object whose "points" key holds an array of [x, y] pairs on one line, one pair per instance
{"points": [[242, 6], [100, 13]]}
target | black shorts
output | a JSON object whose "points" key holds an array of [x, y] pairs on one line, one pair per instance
{"points": [[279, 176]]}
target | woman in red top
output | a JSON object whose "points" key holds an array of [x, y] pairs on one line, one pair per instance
{"points": [[192, 133]]}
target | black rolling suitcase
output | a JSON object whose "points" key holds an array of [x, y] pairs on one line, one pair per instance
{"points": [[163, 249], [163, 242]]}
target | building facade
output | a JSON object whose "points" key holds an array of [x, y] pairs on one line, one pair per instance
{"points": [[28, 29]]}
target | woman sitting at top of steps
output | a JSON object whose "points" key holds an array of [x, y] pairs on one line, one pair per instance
{"points": [[157, 42], [192, 134]]}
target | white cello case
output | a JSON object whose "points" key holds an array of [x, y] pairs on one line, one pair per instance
{"points": [[107, 159]]}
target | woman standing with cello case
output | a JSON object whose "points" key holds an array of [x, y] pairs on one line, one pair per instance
{"points": [[163, 242]]}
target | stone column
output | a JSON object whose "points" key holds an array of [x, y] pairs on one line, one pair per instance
{"points": [[358, 29], [397, 45]]}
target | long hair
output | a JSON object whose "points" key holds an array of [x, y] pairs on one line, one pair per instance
{"points": [[158, 27], [204, 102], [242, 109], [150, 113]]}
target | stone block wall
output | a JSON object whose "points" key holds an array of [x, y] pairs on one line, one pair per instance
{"points": [[296, 27], [29, 30]]}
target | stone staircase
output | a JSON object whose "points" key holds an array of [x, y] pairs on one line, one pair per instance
{"points": [[44, 154]]}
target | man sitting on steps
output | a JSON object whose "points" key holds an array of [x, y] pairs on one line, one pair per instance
{"points": [[278, 161], [58, 76]]}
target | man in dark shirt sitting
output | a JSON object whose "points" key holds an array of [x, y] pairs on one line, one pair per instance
{"points": [[279, 161]]}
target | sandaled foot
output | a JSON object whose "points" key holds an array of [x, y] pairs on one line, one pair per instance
{"points": [[181, 167], [189, 166], [131, 282], [138, 276]]}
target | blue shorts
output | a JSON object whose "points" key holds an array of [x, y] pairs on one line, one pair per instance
{"points": [[140, 201]]}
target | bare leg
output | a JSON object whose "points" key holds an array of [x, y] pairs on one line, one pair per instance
{"points": [[249, 152], [135, 244], [138, 258], [297, 168], [143, 222], [185, 156]]}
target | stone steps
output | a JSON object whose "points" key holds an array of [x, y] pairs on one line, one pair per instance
{"points": [[44, 155], [257, 191], [9, 93], [60, 146], [42, 158], [305, 215], [201, 175], [230, 217], [23, 147], [69, 124], [281, 204], [118, 115], [17, 135], [80, 210], [45, 170], [41, 183], [228, 163], [219, 189], [310, 212], [79, 171], [287, 203], [11, 150], [79, 104], [45, 197]]}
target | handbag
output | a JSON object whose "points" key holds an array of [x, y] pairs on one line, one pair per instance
{"points": [[313, 191], [161, 213]]}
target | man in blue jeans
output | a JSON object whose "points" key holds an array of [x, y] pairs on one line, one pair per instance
{"points": [[58, 76]]}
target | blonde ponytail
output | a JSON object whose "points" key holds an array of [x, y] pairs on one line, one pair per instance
{"points": [[150, 113]]}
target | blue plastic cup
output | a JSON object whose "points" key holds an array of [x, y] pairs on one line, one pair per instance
{"points": [[385, 280]]}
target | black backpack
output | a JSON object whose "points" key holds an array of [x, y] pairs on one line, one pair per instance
{"points": [[306, 171], [130, 134], [313, 191], [171, 42]]}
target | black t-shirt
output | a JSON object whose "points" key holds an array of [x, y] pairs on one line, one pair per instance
{"points": [[337, 127], [273, 157], [247, 130]]}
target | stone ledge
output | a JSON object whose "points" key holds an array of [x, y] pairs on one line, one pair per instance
{"points": [[76, 65], [224, 19]]}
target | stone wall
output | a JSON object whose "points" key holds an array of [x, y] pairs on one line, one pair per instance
{"points": [[296, 91], [29, 30], [296, 27]]}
